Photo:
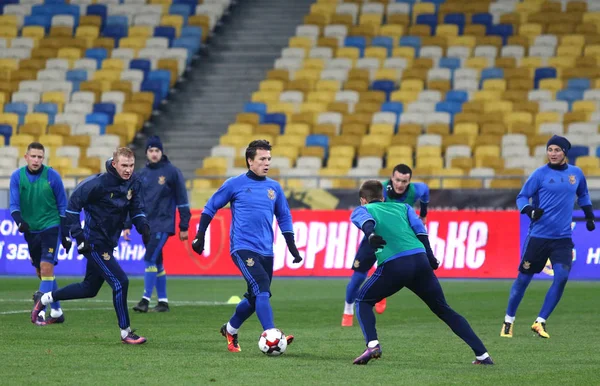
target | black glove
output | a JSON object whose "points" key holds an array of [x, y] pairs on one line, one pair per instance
{"points": [[296, 254], [23, 227], [83, 246], [433, 262], [534, 214], [590, 225], [198, 243], [66, 243], [376, 241], [145, 232]]}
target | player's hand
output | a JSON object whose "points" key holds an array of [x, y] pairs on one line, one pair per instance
{"points": [[126, 234], [534, 214], [198, 243], [423, 220], [433, 262], [183, 235], [83, 246], [23, 227], [66, 243], [376, 241], [590, 225]]}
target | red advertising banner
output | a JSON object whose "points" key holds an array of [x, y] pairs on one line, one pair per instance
{"points": [[469, 244]]}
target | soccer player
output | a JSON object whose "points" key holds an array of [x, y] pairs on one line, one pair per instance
{"points": [[552, 189], [404, 259], [37, 204], [254, 199], [164, 190], [107, 198], [397, 189]]}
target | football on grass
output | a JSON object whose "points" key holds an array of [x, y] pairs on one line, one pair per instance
{"points": [[272, 342]]}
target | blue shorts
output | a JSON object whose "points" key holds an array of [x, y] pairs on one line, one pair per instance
{"points": [[154, 248], [257, 271], [43, 246], [365, 257], [537, 251]]}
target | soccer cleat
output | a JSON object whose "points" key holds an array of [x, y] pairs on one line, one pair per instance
{"points": [[37, 306], [507, 330], [380, 307], [370, 353], [347, 320], [132, 338], [486, 361], [232, 340], [161, 307], [289, 338], [142, 306], [540, 329], [60, 319]]}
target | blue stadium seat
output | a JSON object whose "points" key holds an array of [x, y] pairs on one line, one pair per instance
{"points": [[457, 19], [77, 75], [569, 96], [318, 140], [50, 109], [99, 119], [97, 53], [448, 107], [155, 87], [429, 19], [141, 64], [385, 42], [6, 132], [482, 18], [277, 119], [109, 109], [256, 107], [411, 41], [502, 30], [163, 76], [457, 96], [115, 31], [183, 10], [165, 32], [359, 42], [449, 63], [598, 151], [577, 151], [393, 107], [543, 73], [18, 108], [492, 73], [192, 32], [98, 10], [121, 20], [54, 1], [387, 86], [578, 84], [38, 20], [189, 43]]}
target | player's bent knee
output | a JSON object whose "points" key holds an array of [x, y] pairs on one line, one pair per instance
{"points": [[46, 269]]}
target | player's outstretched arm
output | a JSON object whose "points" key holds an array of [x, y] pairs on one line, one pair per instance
{"points": [[417, 226], [529, 189], [183, 205], [284, 219], [585, 203], [215, 202], [137, 212]]}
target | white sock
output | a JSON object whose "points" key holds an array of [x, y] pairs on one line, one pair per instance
{"points": [[509, 319], [56, 313], [42, 314], [163, 300], [148, 299], [348, 308], [47, 298], [540, 320], [125, 332], [482, 357], [231, 330], [372, 343]]}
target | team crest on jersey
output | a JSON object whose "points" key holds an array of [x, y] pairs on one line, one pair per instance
{"points": [[50, 250], [526, 265], [271, 194], [356, 263], [572, 179], [162, 180], [106, 256], [250, 262], [129, 194]]}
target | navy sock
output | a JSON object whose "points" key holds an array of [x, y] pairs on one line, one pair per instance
{"points": [[56, 304], [264, 310], [161, 283], [561, 276], [243, 311], [366, 319], [149, 279], [517, 292], [354, 285]]}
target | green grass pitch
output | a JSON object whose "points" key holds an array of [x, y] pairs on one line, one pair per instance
{"points": [[185, 347]]}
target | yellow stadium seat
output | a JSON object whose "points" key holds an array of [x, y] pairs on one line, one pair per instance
{"points": [[547, 117], [551, 84], [477, 62], [107, 75], [518, 117], [130, 120], [39, 118], [404, 52], [290, 140], [487, 151], [250, 118], [469, 128], [429, 151], [233, 140], [33, 31], [143, 31], [69, 53], [113, 64], [404, 96], [422, 8], [573, 40], [297, 129], [348, 52], [342, 151], [511, 183], [9, 64], [215, 162], [300, 42], [487, 95], [530, 30], [584, 106], [10, 119], [21, 140], [54, 141], [34, 129], [271, 85], [313, 107], [370, 19], [281, 107], [265, 96], [8, 31], [380, 53], [313, 63], [588, 162], [592, 50], [240, 129], [569, 51], [494, 84], [500, 106], [133, 42], [381, 129], [561, 62], [328, 85], [308, 74], [339, 162], [400, 151], [175, 21], [466, 41], [429, 162], [446, 30], [415, 85], [387, 74], [394, 31]]}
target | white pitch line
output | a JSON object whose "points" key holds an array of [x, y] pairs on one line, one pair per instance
{"points": [[66, 309], [175, 303]]}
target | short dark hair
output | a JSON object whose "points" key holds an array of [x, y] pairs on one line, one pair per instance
{"points": [[253, 146], [36, 145], [371, 190], [402, 169]]}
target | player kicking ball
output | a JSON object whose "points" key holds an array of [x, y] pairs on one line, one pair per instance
{"points": [[404, 259]]}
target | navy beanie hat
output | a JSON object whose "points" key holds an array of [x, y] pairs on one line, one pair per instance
{"points": [[154, 141], [561, 142]]}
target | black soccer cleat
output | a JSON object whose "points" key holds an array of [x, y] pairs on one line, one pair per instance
{"points": [[232, 340], [486, 361], [161, 307], [142, 306], [133, 338], [37, 306]]}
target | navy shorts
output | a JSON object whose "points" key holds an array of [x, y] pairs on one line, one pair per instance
{"points": [[43, 246], [257, 271], [154, 248], [365, 257], [537, 251]]}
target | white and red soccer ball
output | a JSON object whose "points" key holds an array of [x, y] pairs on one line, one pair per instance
{"points": [[272, 342]]}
